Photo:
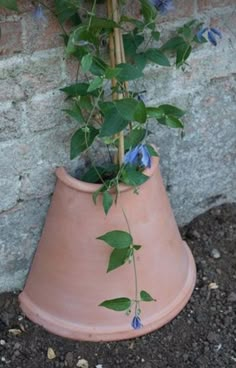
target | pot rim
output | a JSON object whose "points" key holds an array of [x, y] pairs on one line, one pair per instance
{"points": [[83, 186]]}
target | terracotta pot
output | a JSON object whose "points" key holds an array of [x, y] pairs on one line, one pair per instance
{"points": [[68, 278]]}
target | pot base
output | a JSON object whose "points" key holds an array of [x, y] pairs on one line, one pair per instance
{"points": [[78, 331]]}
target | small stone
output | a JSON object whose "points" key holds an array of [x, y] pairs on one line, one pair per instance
{"points": [[196, 234], [69, 358], [215, 253], [213, 337], [2, 342], [82, 363], [185, 357], [17, 346], [232, 297], [51, 354]]}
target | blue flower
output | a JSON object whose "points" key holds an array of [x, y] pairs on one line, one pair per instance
{"points": [[146, 158], [38, 13], [211, 34], [131, 157], [136, 323], [138, 156], [163, 6]]}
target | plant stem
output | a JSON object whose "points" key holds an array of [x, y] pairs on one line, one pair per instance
{"points": [[134, 265]]}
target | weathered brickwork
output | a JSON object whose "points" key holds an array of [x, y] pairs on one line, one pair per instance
{"points": [[199, 170]]}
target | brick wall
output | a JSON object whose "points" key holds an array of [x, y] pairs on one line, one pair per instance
{"points": [[199, 170]]}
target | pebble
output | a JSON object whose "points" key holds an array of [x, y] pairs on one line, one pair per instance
{"points": [[215, 253], [196, 234], [213, 337], [2, 342], [82, 363], [232, 297], [69, 359], [17, 346]]}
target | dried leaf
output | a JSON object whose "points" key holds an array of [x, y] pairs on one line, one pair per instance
{"points": [[51, 354]]}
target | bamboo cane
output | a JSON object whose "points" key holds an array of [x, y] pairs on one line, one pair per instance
{"points": [[118, 59]]}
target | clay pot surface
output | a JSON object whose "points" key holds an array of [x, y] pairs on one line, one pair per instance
{"points": [[68, 278]]}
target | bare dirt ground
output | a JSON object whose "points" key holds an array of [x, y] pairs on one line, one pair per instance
{"points": [[202, 336]]}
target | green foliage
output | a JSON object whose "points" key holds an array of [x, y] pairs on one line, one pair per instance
{"points": [[118, 258], [145, 297], [157, 57], [118, 304], [81, 140], [9, 4], [66, 10], [134, 137], [117, 239], [167, 115], [107, 201], [132, 177]]}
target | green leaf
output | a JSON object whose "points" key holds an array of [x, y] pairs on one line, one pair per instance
{"points": [[95, 84], [131, 176], [117, 239], [98, 66], [173, 43], [9, 4], [97, 192], [81, 140], [156, 35], [171, 110], [157, 57], [183, 53], [78, 89], [86, 62], [145, 297], [152, 151], [131, 43], [129, 72], [137, 247], [107, 201], [148, 11], [134, 137], [131, 109], [173, 122], [154, 112], [118, 257], [75, 113], [103, 23], [65, 10], [113, 121], [119, 304], [111, 72]]}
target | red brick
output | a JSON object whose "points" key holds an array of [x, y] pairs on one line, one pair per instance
{"points": [[208, 4], [10, 41]]}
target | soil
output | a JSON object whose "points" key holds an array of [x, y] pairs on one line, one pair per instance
{"points": [[202, 336]]}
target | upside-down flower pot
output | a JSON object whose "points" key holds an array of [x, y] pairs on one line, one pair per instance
{"points": [[68, 278]]}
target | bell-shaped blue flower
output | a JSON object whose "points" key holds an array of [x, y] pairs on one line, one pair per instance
{"points": [[163, 6], [138, 156], [211, 34], [131, 157], [145, 156], [136, 323]]}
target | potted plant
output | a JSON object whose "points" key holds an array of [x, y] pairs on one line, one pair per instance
{"points": [[111, 263]]}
